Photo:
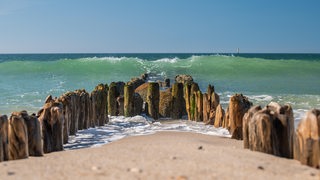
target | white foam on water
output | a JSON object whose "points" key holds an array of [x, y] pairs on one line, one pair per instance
{"points": [[120, 127], [168, 60], [261, 98]]}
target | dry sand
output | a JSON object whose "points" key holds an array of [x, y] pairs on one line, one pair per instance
{"points": [[164, 155]]}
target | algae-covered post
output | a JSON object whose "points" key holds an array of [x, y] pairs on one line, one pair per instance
{"points": [[153, 95]]}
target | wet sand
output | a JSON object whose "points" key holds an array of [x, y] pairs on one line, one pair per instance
{"points": [[164, 155]]}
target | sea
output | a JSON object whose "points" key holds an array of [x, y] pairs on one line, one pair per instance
{"points": [[27, 79]]}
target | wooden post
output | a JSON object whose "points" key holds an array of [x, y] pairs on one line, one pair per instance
{"points": [[307, 139], [153, 100], [206, 109], [52, 120], [112, 99], [138, 104], [177, 101], [246, 120], [219, 115], [17, 137], [65, 99], [238, 106], [4, 153], [99, 97], [128, 100], [187, 96], [199, 106], [193, 108], [35, 144]]}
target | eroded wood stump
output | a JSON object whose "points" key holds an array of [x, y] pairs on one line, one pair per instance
{"points": [[35, 143], [307, 139], [238, 106], [246, 120], [52, 120], [269, 129], [17, 137], [219, 115]]}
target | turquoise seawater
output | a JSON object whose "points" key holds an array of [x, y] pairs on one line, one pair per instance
{"points": [[26, 79]]}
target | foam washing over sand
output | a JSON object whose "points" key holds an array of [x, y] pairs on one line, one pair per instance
{"points": [[120, 127]]}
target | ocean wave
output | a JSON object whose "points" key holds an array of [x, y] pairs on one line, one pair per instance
{"points": [[168, 60]]}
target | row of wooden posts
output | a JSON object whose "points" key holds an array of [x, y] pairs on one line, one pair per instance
{"points": [[270, 129]]}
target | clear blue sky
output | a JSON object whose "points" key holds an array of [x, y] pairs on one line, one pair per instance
{"points": [[53, 26]]}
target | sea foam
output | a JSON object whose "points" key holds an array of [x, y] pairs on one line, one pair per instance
{"points": [[120, 127]]}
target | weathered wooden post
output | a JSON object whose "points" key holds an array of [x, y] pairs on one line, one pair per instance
{"points": [[269, 129], [177, 101], [112, 99], [128, 100], [206, 109], [35, 144], [165, 103], [246, 120], [199, 106], [283, 125], [153, 100], [86, 108], [17, 137], [81, 107], [65, 99], [307, 139], [187, 96], [52, 120], [74, 106], [138, 104], [4, 153], [99, 97], [238, 106], [219, 115]]}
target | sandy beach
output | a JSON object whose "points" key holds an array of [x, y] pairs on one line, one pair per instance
{"points": [[164, 155]]}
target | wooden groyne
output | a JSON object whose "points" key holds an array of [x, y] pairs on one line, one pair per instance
{"points": [[269, 129]]}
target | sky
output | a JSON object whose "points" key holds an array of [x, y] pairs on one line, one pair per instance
{"points": [[159, 26]]}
